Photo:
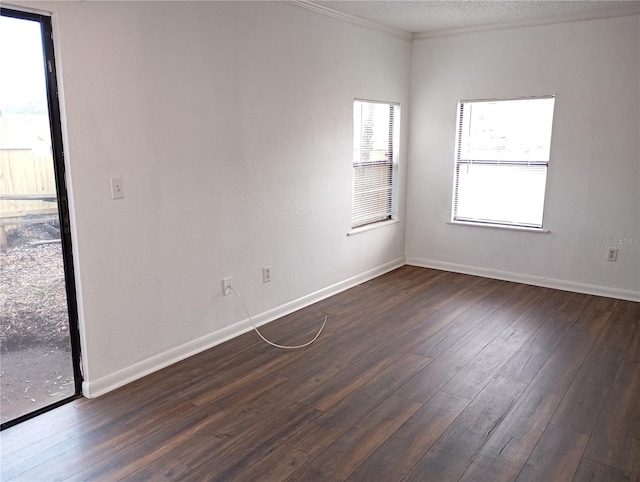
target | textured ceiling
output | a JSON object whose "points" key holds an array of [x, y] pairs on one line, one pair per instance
{"points": [[434, 15]]}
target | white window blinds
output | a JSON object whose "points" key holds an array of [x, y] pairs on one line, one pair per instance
{"points": [[375, 127], [502, 155]]}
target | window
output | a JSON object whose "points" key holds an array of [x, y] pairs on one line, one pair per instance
{"points": [[375, 131], [502, 154]]}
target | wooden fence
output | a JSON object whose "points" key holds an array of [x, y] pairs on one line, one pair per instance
{"points": [[27, 189]]}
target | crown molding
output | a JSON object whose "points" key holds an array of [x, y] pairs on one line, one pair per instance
{"points": [[620, 12], [309, 5], [25, 8]]}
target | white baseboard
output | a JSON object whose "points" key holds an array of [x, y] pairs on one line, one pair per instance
{"points": [[589, 289], [100, 386]]}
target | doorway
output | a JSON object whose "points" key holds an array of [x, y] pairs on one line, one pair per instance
{"points": [[39, 338]]}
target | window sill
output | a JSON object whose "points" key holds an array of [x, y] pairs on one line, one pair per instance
{"points": [[500, 226], [369, 227]]}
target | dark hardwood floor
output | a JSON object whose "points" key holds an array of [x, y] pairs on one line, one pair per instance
{"points": [[419, 375]]}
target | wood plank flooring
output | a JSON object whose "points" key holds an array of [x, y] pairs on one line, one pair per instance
{"points": [[419, 375]]}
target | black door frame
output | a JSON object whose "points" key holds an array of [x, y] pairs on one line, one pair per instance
{"points": [[55, 123]]}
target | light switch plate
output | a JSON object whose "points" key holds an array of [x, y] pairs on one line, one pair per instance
{"points": [[117, 188]]}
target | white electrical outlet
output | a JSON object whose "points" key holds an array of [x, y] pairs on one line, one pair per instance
{"points": [[266, 274], [612, 254], [226, 286]]}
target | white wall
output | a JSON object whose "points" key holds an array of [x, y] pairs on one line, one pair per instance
{"points": [[593, 184], [231, 125]]}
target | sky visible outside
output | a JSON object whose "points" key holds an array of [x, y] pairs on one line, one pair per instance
{"points": [[22, 75]]}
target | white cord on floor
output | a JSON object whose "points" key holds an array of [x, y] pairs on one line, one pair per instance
{"points": [[285, 347]]}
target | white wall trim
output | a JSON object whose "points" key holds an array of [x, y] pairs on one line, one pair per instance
{"points": [[409, 36], [351, 19], [100, 386], [27, 9], [528, 279], [532, 22]]}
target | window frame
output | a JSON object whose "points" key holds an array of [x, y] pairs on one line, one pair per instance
{"points": [[57, 145], [390, 213], [459, 162]]}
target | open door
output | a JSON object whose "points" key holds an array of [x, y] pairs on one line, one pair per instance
{"points": [[39, 339]]}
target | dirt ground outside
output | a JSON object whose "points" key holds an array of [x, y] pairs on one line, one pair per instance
{"points": [[35, 351]]}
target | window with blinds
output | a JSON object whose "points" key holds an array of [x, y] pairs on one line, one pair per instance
{"points": [[375, 131], [502, 156]]}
